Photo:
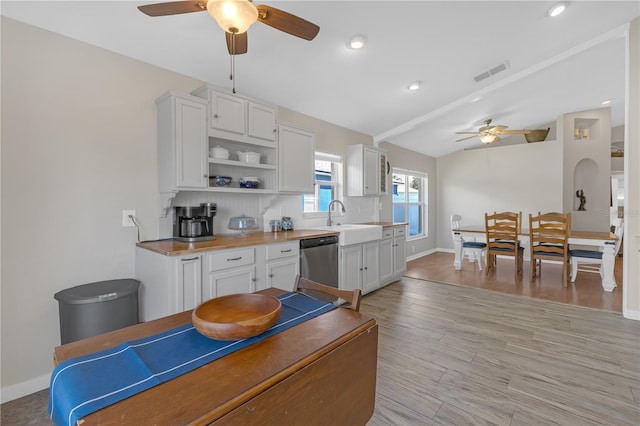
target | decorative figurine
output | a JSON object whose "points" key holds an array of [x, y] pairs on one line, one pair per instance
{"points": [[583, 200]]}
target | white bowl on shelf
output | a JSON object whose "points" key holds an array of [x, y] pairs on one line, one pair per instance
{"points": [[219, 153], [249, 157]]}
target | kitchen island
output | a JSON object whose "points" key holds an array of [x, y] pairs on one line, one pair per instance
{"points": [[322, 371]]}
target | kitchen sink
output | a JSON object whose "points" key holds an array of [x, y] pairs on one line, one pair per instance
{"points": [[355, 233]]}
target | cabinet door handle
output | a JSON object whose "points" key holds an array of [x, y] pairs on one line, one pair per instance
{"points": [[361, 269], [234, 258], [365, 268], [253, 279], [285, 251], [189, 259], [270, 275], [215, 115], [205, 175]]}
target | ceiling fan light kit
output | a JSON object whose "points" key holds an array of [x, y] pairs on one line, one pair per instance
{"points": [[233, 16], [489, 138]]}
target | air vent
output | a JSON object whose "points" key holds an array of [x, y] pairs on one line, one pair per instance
{"points": [[495, 70]]}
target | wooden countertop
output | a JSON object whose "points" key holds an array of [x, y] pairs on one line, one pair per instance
{"points": [[385, 224], [171, 247]]}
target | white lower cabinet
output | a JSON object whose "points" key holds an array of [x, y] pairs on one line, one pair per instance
{"points": [[282, 265], [223, 283], [169, 284], [359, 267], [393, 261], [172, 284], [229, 271], [386, 260]]}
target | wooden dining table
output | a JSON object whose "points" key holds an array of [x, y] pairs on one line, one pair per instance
{"points": [[605, 241], [322, 371]]}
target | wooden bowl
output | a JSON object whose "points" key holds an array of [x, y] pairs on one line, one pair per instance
{"points": [[236, 316]]}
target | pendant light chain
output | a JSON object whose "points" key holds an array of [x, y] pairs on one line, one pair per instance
{"points": [[233, 61]]}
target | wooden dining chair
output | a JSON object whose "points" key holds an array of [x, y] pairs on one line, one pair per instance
{"points": [[307, 286], [549, 240], [501, 231]]}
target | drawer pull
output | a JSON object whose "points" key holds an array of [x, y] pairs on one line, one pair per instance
{"points": [[189, 259], [285, 251], [234, 258]]}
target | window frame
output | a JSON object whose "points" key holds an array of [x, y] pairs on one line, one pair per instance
{"points": [[422, 203], [336, 182]]}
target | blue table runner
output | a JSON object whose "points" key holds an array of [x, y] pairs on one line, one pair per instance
{"points": [[83, 385]]}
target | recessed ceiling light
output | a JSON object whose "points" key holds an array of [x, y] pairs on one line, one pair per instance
{"points": [[476, 99], [557, 9], [606, 102], [415, 85], [357, 42]]}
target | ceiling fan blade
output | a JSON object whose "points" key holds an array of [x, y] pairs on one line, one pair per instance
{"points": [[236, 44], [464, 139], [287, 22], [173, 8], [513, 132], [468, 133]]}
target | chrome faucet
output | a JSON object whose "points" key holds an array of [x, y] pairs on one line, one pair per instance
{"points": [[329, 210]]}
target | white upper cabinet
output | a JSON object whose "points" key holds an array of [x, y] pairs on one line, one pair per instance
{"points": [[366, 168], [296, 160], [238, 118], [227, 113], [261, 121], [182, 142]]}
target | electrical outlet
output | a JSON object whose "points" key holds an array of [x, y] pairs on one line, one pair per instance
{"points": [[126, 220]]}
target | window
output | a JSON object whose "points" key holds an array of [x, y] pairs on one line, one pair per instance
{"points": [[409, 195], [327, 185]]}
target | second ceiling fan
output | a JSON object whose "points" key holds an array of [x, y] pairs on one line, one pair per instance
{"points": [[490, 134], [235, 17]]}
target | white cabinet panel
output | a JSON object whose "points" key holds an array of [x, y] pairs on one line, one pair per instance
{"points": [[282, 273], [182, 142], [261, 121], [386, 260], [370, 259], [364, 172], [296, 160], [227, 112], [236, 280]]}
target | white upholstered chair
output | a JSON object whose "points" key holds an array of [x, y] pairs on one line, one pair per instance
{"points": [[591, 260], [476, 251]]}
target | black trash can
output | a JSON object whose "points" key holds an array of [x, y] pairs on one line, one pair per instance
{"points": [[91, 309]]}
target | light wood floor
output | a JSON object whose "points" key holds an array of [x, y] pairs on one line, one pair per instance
{"points": [[453, 355], [586, 291]]}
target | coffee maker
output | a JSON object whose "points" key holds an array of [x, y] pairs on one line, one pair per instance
{"points": [[191, 223]]}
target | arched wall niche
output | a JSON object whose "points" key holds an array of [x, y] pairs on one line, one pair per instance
{"points": [[585, 179]]}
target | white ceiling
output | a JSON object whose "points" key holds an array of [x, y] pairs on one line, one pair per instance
{"points": [[556, 65]]}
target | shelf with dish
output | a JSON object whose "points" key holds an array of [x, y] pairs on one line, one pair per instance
{"points": [[236, 163]]}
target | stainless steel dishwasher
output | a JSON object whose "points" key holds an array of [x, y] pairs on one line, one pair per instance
{"points": [[319, 262]]}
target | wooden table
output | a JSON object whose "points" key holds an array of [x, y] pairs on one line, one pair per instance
{"points": [[606, 241], [322, 371]]}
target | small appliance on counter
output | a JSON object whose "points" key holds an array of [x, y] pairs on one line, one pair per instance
{"points": [[191, 224], [243, 224]]}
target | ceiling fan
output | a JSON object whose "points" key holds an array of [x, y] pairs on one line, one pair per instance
{"points": [[490, 134], [235, 17]]}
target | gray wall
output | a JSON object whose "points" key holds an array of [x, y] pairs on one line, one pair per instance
{"points": [[526, 178], [410, 160]]}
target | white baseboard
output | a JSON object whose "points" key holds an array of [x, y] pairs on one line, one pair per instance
{"points": [[19, 390], [421, 254], [631, 314]]}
